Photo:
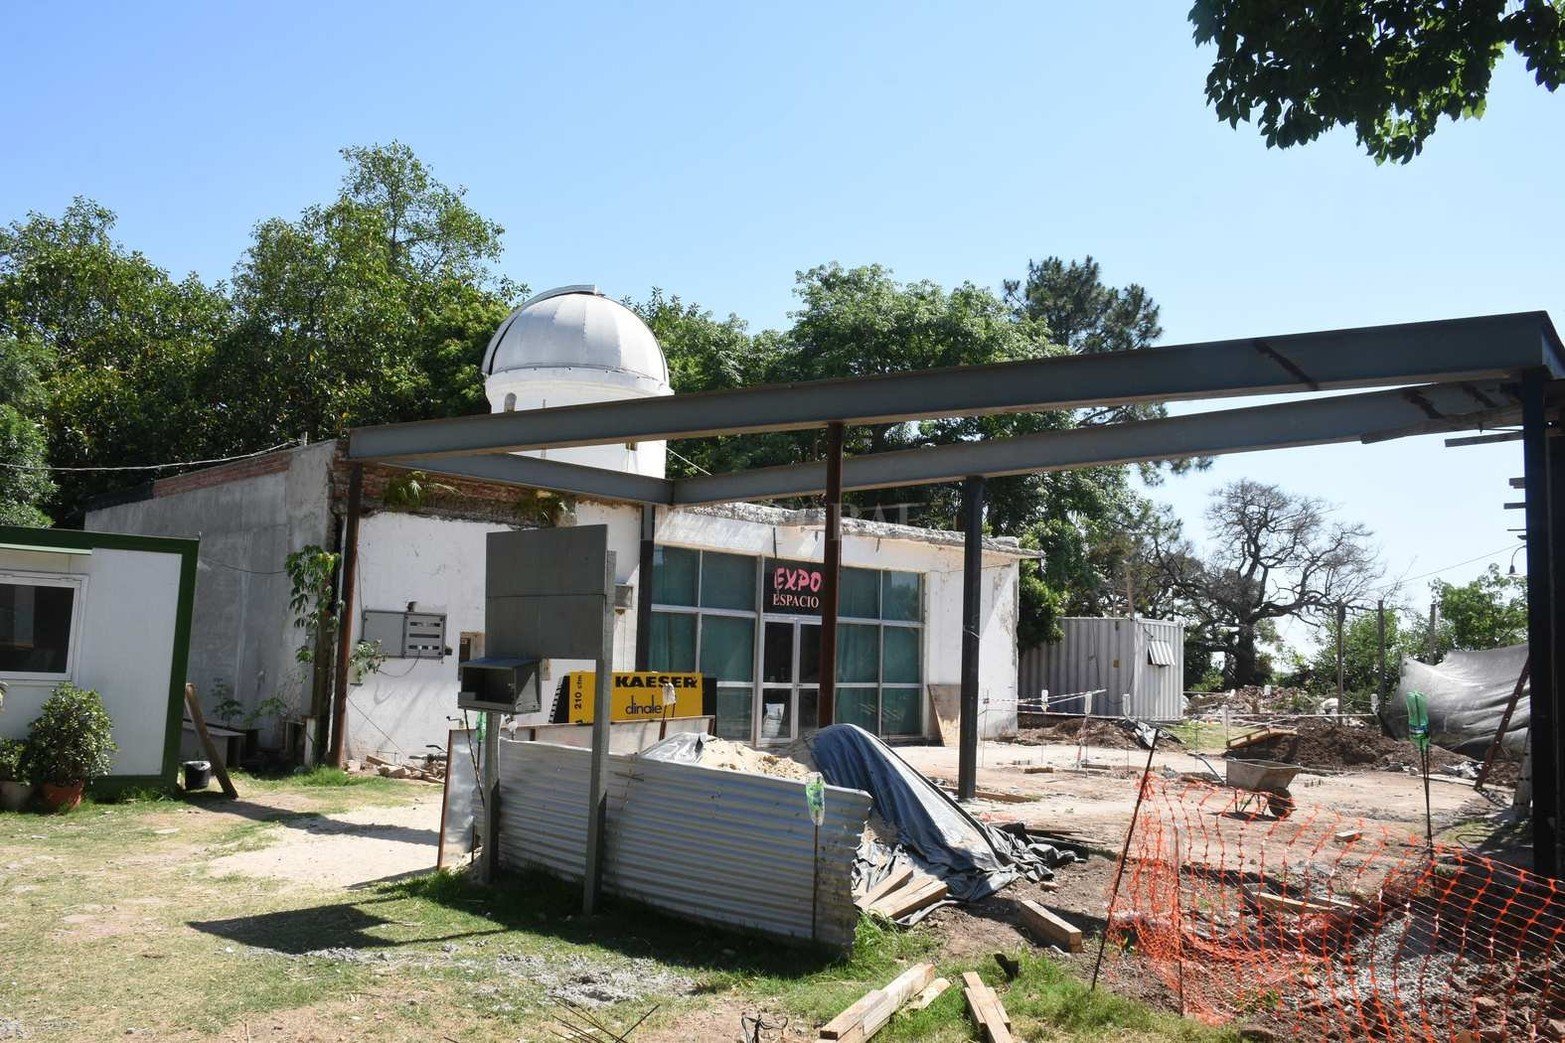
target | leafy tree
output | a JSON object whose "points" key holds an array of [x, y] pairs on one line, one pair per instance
{"points": [[24, 485], [1390, 69], [1488, 612], [862, 321], [1361, 656], [374, 308], [1274, 555], [121, 349]]}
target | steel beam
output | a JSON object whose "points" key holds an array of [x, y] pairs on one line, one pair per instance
{"points": [[1540, 458], [1414, 353], [1320, 421], [831, 579], [529, 471]]}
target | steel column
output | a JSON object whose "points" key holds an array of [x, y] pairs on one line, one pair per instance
{"points": [[826, 703], [350, 574], [598, 779], [972, 580], [649, 523], [1542, 465]]}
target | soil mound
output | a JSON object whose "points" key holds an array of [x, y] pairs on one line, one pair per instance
{"points": [[1070, 733], [1343, 747]]}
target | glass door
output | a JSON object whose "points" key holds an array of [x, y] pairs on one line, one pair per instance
{"points": [[790, 680]]}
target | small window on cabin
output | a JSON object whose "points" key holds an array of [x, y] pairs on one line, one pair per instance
{"points": [[510, 402], [35, 628], [471, 645]]}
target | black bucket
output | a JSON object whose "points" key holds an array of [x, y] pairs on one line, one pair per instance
{"points": [[198, 774]]}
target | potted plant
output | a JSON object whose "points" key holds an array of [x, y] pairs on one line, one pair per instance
{"points": [[69, 744], [15, 790]]}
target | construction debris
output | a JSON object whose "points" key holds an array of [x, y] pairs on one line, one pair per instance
{"points": [[1051, 928], [933, 991], [994, 1024], [918, 894], [874, 1009]]}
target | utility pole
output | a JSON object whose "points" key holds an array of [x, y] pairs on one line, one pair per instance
{"points": [[1434, 610]]}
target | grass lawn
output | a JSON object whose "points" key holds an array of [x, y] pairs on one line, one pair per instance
{"points": [[115, 925]]}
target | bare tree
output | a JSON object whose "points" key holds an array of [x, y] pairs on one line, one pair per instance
{"points": [[1274, 555]]}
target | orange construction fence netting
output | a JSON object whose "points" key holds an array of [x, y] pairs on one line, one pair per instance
{"points": [[1327, 927]]}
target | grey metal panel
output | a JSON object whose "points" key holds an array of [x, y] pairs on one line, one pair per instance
{"points": [[720, 846], [540, 562], [543, 807], [1457, 349], [1107, 654], [533, 473], [1319, 421], [735, 848]]}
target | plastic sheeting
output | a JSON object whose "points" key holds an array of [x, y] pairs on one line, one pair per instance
{"points": [[1467, 694], [972, 858]]}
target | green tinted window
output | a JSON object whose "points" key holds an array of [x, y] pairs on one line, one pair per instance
{"points": [[901, 654], [899, 712], [901, 596], [673, 645], [859, 597], [727, 581], [674, 572], [728, 648], [734, 709], [857, 706], [858, 653]]}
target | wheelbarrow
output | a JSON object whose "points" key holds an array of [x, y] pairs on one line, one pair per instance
{"points": [[1262, 784]]}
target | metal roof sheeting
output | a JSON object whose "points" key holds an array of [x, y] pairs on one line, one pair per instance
{"points": [[720, 846]]}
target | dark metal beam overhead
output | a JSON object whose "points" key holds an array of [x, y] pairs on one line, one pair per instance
{"points": [[1319, 421], [1456, 349], [553, 475]]}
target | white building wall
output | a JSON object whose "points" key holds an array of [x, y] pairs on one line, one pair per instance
{"points": [[242, 638], [123, 646]]}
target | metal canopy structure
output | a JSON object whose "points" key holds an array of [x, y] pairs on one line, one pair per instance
{"points": [[1445, 376]]}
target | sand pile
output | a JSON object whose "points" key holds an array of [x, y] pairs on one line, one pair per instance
{"points": [[790, 763]]}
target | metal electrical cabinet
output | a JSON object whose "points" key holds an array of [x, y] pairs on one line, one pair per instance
{"points": [[406, 635], [500, 684]]}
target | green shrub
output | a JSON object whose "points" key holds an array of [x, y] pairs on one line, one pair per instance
{"points": [[71, 740], [12, 753]]}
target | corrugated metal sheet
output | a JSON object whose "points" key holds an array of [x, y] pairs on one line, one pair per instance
{"points": [[720, 846], [1116, 657]]}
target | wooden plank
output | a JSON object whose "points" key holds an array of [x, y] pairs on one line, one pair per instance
{"points": [[1050, 927], [218, 768], [898, 876], [933, 991], [1250, 739], [986, 1010], [870, 1013], [1284, 904], [911, 899]]}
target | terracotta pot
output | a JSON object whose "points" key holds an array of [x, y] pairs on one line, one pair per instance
{"points": [[15, 795], [61, 798]]}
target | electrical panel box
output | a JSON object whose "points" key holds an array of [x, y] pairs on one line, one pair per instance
{"points": [[500, 684], [406, 635]]}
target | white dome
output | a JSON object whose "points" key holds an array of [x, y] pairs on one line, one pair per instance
{"points": [[578, 328]]}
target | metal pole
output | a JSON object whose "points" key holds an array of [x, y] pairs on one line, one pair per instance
{"points": [[1380, 675], [830, 572], [1119, 874], [644, 588], [350, 573], [1429, 645], [489, 862], [1541, 622], [597, 785], [972, 578]]}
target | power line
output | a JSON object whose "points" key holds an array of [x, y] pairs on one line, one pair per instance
{"points": [[1447, 568], [151, 467]]}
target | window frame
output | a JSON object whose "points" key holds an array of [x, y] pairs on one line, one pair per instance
{"points": [[78, 585]]}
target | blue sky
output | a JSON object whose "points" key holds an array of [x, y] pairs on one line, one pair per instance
{"points": [[716, 149]]}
